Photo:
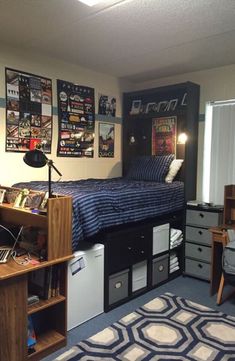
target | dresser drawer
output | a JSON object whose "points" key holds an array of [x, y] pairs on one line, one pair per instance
{"points": [[199, 252], [198, 235], [197, 269], [204, 219]]}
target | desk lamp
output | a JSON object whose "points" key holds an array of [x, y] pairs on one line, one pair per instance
{"points": [[37, 159]]}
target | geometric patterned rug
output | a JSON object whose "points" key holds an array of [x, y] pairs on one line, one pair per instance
{"points": [[166, 328]]}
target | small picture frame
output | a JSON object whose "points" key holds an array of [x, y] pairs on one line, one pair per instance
{"points": [[2, 195], [34, 200], [11, 195], [43, 205]]}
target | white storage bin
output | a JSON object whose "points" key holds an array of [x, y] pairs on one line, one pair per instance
{"points": [[85, 284], [161, 235], [139, 276]]}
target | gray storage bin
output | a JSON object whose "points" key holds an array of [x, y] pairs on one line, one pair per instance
{"points": [[118, 286], [197, 269], [198, 251], [203, 218], [160, 269], [198, 235]]}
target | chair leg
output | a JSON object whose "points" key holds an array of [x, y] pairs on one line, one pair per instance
{"points": [[220, 290]]}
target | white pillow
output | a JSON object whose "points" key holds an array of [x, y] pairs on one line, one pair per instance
{"points": [[173, 170]]}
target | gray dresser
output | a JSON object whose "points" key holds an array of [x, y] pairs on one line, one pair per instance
{"points": [[198, 239]]}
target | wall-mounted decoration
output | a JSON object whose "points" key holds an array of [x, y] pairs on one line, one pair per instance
{"points": [[106, 140], [164, 135], [107, 105], [161, 103], [76, 116], [28, 111]]}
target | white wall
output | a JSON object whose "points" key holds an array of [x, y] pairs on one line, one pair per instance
{"points": [[215, 84], [13, 169]]}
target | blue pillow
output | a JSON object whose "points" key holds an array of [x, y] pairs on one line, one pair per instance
{"points": [[150, 168]]}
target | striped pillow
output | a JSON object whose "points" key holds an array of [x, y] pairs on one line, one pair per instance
{"points": [[150, 168]]}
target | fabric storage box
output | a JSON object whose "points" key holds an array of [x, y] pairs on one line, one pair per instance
{"points": [[139, 276], [118, 286], [160, 267], [198, 269], [161, 235]]}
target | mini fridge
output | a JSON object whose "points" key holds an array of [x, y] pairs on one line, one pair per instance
{"points": [[85, 284]]}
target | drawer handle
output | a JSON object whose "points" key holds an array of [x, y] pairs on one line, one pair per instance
{"points": [[201, 215], [200, 232], [142, 236], [118, 284], [199, 265], [142, 252], [160, 268], [129, 248], [199, 249]]}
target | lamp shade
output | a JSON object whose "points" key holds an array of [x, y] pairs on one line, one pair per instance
{"points": [[35, 158]]}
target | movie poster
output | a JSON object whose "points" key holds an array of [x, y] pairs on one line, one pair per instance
{"points": [[164, 135], [28, 111], [107, 105], [76, 116], [106, 140]]}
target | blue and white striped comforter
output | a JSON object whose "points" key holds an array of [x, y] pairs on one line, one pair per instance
{"points": [[101, 203]]}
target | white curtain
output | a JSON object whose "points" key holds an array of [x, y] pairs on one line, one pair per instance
{"points": [[219, 155]]}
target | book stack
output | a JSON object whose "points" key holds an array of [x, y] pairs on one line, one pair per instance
{"points": [[45, 282]]}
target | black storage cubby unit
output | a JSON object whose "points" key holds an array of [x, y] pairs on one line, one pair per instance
{"points": [[180, 100]]}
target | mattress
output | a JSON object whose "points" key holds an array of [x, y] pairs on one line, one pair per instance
{"points": [[102, 203]]}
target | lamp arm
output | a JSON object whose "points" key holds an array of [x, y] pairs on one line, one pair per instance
{"points": [[51, 164]]}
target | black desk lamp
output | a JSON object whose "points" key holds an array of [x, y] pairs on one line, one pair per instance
{"points": [[37, 159]]}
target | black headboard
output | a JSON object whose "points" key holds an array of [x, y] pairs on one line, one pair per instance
{"points": [[140, 107]]}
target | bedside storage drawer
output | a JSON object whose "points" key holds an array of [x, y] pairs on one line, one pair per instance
{"points": [[118, 286], [160, 267], [198, 235], [201, 218], [199, 252], [197, 269]]}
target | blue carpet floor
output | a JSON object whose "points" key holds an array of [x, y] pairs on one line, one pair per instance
{"points": [[187, 287]]}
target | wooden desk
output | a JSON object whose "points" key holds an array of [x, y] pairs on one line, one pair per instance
{"points": [[219, 240]]}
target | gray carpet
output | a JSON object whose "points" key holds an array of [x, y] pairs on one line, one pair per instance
{"points": [[186, 287]]}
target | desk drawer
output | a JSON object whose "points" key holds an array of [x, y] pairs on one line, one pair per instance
{"points": [[204, 219], [199, 252], [198, 235], [197, 269]]}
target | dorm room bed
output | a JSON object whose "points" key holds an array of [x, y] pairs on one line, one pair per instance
{"points": [[102, 203]]}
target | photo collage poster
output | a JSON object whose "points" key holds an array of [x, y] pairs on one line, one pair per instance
{"points": [[164, 135], [76, 116], [106, 140], [28, 111]]}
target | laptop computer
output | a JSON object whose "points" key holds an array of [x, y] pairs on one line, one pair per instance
{"points": [[6, 251]]}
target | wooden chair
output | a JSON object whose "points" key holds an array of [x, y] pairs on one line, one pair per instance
{"points": [[223, 280]]}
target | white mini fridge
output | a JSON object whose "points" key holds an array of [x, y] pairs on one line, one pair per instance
{"points": [[85, 284]]}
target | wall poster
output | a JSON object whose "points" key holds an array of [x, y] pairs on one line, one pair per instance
{"points": [[76, 116], [28, 111], [164, 135], [107, 105], [106, 140]]}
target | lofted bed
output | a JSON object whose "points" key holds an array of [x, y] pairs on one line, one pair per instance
{"points": [[122, 213]]}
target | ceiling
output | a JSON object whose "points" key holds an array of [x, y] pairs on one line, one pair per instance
{"points": [[136, 40]]}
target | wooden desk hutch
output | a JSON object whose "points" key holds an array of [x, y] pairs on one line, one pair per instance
{"points": [[14, 309]]}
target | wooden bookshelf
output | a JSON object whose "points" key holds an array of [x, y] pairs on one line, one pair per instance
{"points": [[49, 315]]}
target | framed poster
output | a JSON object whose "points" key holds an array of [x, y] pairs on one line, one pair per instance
{"points": [[164, 135], [106, 140], [107, 105], [76, 116], [28, 111]]}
